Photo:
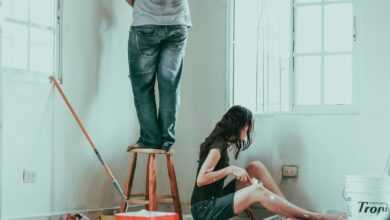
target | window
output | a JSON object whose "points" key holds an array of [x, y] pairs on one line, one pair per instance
{"points": [[322, 53], [293, 56], [30, 37]]}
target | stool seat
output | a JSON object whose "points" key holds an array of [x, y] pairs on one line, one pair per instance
{"points": [[150, 151]]}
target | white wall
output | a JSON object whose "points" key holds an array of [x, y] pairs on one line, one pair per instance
{"points": [[325, 147], [96, 80], [328, 147], [41, 136], [1, 117], [27, 144], [203, 88], [39, 133]]}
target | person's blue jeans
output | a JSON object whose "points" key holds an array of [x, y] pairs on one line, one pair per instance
{"points": [[156, 54]]}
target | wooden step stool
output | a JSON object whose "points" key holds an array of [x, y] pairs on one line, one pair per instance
{"points": [[150, 199]]}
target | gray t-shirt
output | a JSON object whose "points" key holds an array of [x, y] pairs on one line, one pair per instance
{"points": [[161, 12]]}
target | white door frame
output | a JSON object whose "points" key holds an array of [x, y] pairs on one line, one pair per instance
{"points": [[1, 112]]}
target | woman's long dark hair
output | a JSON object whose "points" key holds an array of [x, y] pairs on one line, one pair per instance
{"points": [[228, 130]]}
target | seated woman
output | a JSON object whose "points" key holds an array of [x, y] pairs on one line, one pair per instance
{"points": [[212, 201]]}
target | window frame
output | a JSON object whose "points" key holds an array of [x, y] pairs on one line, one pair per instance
{"points": [[1, 109], [323, 108], [349, 109], [29, 75]]}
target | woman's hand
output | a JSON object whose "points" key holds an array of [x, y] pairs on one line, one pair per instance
{"points": [[240, 173]]}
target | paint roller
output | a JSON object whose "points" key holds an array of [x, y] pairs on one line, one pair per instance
{"points": [[107, 169]]}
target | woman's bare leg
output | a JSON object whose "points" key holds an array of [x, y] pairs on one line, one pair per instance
{"points": [[274, 203], [258, 170]]}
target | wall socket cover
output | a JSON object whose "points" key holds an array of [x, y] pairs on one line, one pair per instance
{"points": [[290, 171], [29, 176]]}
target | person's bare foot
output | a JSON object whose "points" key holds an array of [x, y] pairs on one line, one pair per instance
{"points": [[132, 147], [140, 146]]}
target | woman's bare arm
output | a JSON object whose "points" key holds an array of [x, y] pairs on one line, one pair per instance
{"points": [[207, 174]]}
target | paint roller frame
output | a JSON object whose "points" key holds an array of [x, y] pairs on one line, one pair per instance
{"points": [[106, 167]]}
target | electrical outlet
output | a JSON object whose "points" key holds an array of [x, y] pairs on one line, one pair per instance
{"points": [[290, 171], [29, 176]]}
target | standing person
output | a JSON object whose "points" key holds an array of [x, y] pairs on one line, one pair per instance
{"points": [[156, 49], [212, 201]]}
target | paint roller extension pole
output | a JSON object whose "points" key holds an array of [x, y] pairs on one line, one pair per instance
{"points": [[107, 169]]}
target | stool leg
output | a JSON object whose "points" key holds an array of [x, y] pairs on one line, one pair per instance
{"points": [[152, 183], [147, 182], [129, 184], [173, 185]]}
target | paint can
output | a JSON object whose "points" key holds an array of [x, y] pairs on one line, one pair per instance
{"points": [[368, 197]]}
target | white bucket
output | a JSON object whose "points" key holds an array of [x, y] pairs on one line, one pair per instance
{"points": [[368, 197]]}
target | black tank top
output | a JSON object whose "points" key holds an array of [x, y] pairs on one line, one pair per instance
{"points": [[214, 189]]}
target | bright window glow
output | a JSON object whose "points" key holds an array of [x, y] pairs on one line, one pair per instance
{"points": [[293, 56], [29, 36]]}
